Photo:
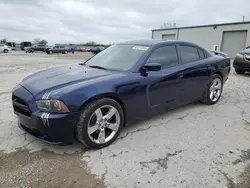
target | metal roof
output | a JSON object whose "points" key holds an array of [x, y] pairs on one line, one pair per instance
{"points": [[210, 25]]}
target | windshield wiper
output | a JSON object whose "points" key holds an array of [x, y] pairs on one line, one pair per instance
{"points": [[98, 67]]}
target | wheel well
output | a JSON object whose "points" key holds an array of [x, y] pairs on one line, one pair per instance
{"points": [[118, 100], [219, 73]]}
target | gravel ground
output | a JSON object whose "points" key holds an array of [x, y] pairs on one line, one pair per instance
{"points": [[193, 146]]}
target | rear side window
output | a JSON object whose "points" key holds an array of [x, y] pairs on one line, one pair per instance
{"points": [[189, 54], [166, 56], [201, 54]]}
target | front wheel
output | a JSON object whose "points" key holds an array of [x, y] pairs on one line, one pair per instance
{"points": [[213, 90], [100, 123], [5, 51], [239, 71]]}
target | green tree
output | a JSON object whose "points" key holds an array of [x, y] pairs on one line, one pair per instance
{"points": [[43, 42]]}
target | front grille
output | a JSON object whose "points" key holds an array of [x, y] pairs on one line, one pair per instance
{"points": [[20, 106]]}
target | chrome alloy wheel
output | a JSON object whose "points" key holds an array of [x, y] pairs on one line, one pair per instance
{"points": [[215, 90], [103, 124]]}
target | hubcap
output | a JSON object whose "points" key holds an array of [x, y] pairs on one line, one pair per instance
{"points": [[103, 124], [215, 90]]}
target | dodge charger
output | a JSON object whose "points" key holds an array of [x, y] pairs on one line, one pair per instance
{"points": [[124, 83]]}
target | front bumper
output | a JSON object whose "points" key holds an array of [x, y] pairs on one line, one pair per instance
{"points": [[48, 127], [241, 63]]}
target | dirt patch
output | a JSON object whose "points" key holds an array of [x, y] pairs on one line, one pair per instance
{"points": [[161, 162], [45, 169], [243, 179], [245, 156]]}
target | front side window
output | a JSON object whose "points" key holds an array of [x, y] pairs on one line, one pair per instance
{"points": [[120, 57], [166, 56], [189, 54]]}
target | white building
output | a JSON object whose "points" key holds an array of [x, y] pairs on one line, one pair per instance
{"points": [[228, 37]]}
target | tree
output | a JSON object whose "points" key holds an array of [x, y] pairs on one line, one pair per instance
{"points": [[3, 41], [43, 42], [39, 41], [168, 25]]}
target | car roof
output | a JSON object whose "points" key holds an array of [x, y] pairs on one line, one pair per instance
{"points": [[153, 42]]}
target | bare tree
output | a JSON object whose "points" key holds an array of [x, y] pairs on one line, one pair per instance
{"points": [[37, 40], [168, 25], [3, 41]]}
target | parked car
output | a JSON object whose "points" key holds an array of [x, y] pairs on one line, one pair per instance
{"points": [[126, 82], [242, 62], [35, 48], [81, 49], [24, 45], [95, 50], [4, 48], [58, 49]]}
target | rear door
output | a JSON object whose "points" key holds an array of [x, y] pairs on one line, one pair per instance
{"points": [[195, 72]]}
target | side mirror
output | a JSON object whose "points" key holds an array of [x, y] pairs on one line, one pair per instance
{"points": [[152, 67]]}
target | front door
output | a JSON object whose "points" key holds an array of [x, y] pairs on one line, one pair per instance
{"points": [[163, 89]]}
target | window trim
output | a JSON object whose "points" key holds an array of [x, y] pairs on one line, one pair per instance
{"points": [[203, 53], [177, 53]]}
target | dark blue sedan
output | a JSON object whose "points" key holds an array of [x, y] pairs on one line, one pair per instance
{"points": [[124, 83]]}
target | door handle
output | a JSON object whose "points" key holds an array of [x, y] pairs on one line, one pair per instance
{"points": [[180, 75]]}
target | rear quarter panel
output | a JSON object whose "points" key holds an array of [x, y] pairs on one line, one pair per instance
{"points": [[221, 66]]}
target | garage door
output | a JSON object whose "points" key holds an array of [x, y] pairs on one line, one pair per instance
{"points": [[168, 37], [233, 42]]}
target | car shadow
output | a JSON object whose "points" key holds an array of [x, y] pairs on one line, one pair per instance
{"points": [[140, 125]]}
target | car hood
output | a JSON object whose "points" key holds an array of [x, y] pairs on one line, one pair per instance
{"points": [[247, 51], [55, 78]]}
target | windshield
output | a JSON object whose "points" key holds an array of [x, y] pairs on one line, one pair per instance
{"points": [[118, 57]]}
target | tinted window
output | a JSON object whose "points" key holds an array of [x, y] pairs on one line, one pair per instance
{"points": [[189, 54], [61, 46], [166, 56], [202, 54]]}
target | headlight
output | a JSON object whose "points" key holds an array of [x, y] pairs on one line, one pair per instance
{"points": [[53, 106]]}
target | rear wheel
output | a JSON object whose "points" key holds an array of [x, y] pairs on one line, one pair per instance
{"points": [[50, 52], [100, 123], [213, 90], [5, 51], [65, 52], [239, 71]]}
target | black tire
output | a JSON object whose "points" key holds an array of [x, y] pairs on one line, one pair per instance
{"points": [[239, 71], [82, 125], [205, 98], [65, 52], [5, 51]]}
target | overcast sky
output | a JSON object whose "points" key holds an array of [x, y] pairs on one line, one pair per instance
{"points": [[107, 21]]}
